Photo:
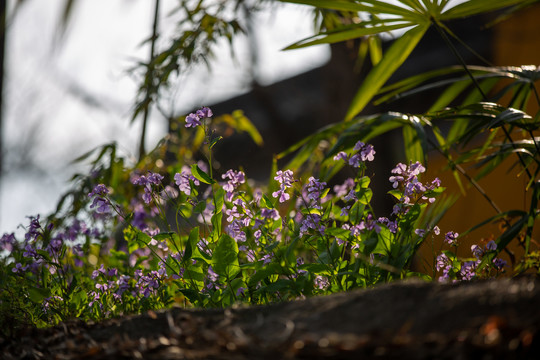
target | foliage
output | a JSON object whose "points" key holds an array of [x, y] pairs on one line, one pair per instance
{"points": [[135, 236], [210, 244], [480, 119]]}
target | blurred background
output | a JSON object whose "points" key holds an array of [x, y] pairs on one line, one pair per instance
{"points": [[68, 86]]}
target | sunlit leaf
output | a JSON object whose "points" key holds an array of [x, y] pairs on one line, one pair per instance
{"points": [[377, 77]]}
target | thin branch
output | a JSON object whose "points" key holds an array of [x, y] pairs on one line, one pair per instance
{"points": [[150, 82], [466, 68]]}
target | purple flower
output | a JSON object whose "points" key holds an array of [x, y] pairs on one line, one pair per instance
{"points": [[241, 291], [99, 190], [321, 282], [315, 189], [392, 226], [204, 112], [341, 156], [350, 196], [112, 272], [100, 201], [212, 275], [443, 262], [436, 230], [55, 246], [342, 190], [33, 230], [270, 214], [102, 205], [234, 230], [367, 152], [312, 221], [477, 251], [96, 272], [420, 232], [182, 180], [147, 182], [7, 241], [30, 251], [282, 195], [267, 259], [467, 271], [451, 238], [491, 246], [192, 120], [155, 178], [19, 268], [499, 263], [236, 178], [358, 228], [355, 160], [232, 214], [285, 178]]}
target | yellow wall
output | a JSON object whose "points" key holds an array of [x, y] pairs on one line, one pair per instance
{"points": [[516, 42]]}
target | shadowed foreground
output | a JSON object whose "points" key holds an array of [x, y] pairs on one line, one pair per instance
{"points": [[404, 320]]}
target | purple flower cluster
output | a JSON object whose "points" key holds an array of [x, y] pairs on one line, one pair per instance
{"points": [[194, 120], [468, 269], [100, 202], [479, 252], [321, 282], [369, 224], [148, 284], [236, 178], [406, 178], [451, 238], [364, 152], [7, 242], [312, 193], [147, 181], [286, 180], [444, 264], [182, 180]]}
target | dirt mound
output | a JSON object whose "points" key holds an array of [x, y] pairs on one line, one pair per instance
{"points": [[403, 320]]}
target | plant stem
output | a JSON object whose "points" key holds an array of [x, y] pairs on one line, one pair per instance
{"points": [[150, 81]]}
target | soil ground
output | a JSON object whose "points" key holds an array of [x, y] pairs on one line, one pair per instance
{"points": [[498, 319]]}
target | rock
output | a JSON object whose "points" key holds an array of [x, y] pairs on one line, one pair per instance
{"points": [[497, 319]]}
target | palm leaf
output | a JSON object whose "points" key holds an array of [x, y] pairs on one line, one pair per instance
{"points": [[393, 58]]}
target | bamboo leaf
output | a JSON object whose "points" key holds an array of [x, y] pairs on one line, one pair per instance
{"points": [[469, 8], [394, 57], [343, 35]]}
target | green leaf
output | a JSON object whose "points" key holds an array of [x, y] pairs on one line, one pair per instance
{"points": [[342, 5], [201, 175], [316, 268], [270, 269], [392, 60], [469, 8], [266, 202], [164, 236], [37, 295], [375, 49], [219, 200], [344, 34], [415, 141], [225, 257]]}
